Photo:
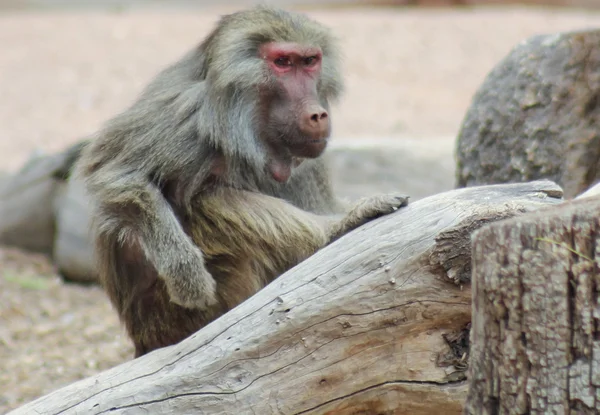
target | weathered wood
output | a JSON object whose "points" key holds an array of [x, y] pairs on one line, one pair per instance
{"points": [[371, 324], [535, 337]]}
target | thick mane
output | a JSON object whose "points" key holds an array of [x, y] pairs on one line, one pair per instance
{"points": [[209, 97]]}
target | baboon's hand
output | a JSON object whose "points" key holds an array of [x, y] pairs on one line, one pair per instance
{"points": [[189, 283], [373, 207], [369, 208]]}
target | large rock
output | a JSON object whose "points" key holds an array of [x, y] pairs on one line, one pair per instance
{"points": [[4, 179], [416, 167], [537, 115], [25, 219], [26, 197], [73, 249]]}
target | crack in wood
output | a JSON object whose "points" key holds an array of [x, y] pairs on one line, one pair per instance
{"points": [[379, 385]]}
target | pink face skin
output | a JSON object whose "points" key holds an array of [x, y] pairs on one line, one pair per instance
{"points": [[297, 69], [285, 57]]}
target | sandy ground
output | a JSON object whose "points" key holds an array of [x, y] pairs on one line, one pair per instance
{"points": [[410, 73]]}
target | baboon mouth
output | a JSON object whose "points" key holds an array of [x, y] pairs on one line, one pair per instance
{"points": [[311, 148]]}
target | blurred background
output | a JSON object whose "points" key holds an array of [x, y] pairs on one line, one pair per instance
{"points": [[411, 66], [66, 66]]}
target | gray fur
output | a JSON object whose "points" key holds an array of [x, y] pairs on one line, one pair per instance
{"points": [[188, 222], [198, 109]]}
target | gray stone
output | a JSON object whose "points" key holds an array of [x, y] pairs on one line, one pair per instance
{"points": [[537, 115], [26, 197], [73, 249], [26, 217], [417, 168]]}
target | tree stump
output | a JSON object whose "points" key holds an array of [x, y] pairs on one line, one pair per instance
{"points": [[535, 341], [376, 322]]}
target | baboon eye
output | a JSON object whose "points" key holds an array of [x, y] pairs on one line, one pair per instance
{"points": [[283, 62], [310, 61]]}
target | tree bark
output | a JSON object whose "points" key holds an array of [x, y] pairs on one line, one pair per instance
{"points": [[535, 337], [377, 322]]}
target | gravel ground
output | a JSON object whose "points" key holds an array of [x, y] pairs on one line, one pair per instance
{"points": [[410, 73]]}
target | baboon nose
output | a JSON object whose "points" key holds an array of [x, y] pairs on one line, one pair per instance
{"points": [[316, 122], [317, 117]]}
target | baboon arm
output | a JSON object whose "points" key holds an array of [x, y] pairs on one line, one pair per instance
{"points": [[134, 207], [260, 220], [135, 210], [363, 211]]}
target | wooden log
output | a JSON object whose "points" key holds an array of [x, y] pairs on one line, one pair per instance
{"points": [[377, 322], [535, 335]]}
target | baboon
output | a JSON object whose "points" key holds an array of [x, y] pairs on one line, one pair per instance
{"points": [[209, 186]]}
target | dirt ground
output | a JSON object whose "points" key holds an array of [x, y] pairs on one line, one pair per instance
{"points": [[410, 73]]}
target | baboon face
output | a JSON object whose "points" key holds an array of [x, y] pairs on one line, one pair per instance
{"points": [[296, 119]]}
